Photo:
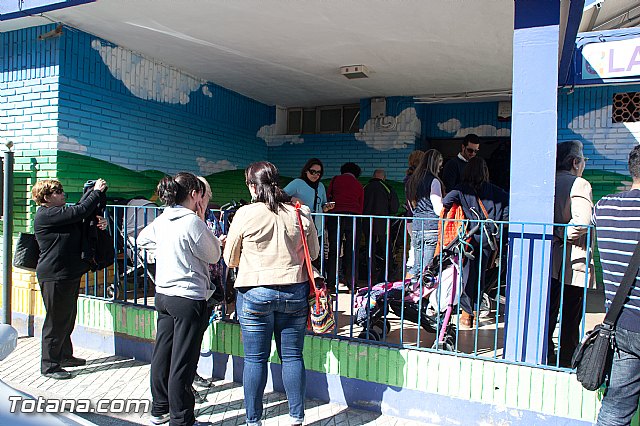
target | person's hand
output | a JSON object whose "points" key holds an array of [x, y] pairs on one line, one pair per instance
{"points": [[223, 239], [295, 200], [100, 185], [200, 210], [102, 223], [329, 206]]}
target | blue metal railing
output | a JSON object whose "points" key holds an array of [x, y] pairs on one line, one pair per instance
{"points": [[422, 312]]}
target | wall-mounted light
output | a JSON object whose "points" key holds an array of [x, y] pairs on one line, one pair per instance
{"points": [[57, 32]]}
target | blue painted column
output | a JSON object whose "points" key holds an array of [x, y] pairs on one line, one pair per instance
{"points": [[533, 152]]}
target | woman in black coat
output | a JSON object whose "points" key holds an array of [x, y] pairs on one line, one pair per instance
{"points": [[58, 230], [475, 188]]}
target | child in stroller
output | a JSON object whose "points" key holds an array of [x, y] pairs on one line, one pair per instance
{"points": [[427, 300]]}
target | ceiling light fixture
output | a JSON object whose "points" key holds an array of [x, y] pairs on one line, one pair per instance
{"points": [[354, 71]]}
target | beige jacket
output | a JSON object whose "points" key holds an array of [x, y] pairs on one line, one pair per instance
{"points": [[573, 206], [267, 248]]}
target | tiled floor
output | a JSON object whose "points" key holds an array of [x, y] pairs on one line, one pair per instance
{"points": [[110, 377]]}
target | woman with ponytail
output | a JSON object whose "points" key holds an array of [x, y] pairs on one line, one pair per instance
{"points": [[184, 247], [265, 242]]}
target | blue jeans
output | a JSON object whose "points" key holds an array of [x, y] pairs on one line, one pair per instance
{"points": [[424, 247], [279, 311], [620, 400]]}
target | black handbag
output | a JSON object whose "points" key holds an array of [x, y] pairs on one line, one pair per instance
{"points": [[592, 358], [27, 252]]}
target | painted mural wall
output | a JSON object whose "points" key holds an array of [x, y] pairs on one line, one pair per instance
{"points": [[78, 107], [29, 89], [134, 119]]}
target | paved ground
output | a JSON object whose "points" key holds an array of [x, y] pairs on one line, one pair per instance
{"points": [[111, 378]]}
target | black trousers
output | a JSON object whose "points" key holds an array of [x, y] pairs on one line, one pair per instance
{"points": [[61, 302], [349, 266], [175, 356], [379, 256], [571, 318]]}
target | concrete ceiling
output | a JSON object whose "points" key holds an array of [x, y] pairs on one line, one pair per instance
{"points": [[600, 15], [288, 53]]}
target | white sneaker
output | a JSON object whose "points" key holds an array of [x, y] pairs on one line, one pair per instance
{"points": [[485, 306], [159, 420]]}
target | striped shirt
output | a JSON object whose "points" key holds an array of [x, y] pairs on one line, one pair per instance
{"points": [[617, 220]]}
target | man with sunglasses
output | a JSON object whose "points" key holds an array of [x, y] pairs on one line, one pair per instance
{"points": [[452, 172]]}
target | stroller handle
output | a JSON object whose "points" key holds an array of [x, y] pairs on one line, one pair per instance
{"points": [[467, 235]]}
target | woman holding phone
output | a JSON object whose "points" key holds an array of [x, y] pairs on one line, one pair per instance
{"points": [[311, 192]]}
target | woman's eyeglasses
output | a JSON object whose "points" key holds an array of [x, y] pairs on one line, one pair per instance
{"points": [[314, 172]]}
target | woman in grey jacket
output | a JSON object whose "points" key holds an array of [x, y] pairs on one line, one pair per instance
{"points": [[184, 247]]}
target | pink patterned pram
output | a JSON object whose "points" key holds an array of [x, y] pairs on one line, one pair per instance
{"points": [[427, 300]]}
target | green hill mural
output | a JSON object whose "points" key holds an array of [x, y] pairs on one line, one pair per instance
{"points": [[75, 169]]}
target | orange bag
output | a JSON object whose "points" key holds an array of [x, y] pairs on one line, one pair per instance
{"points": [[452, 227]]}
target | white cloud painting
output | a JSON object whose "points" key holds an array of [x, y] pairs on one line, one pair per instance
{"points": [[454, 126], [147, 79], [268, 135], [208, 167], [373, 132]]}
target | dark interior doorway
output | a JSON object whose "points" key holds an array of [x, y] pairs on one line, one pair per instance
{"points": [[495, 150]]}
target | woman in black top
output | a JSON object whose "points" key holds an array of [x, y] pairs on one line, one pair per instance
{"points": [[475, 186], [58, 230]]}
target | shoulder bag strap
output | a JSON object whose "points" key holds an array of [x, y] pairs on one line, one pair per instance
{"points": [[624, 288], [315, 199], [307, 256]]}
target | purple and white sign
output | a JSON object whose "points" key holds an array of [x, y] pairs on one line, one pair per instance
{"points": [[614, 59]]}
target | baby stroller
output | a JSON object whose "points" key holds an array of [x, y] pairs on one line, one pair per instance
{"points": [[427, 300], [133, 267]]}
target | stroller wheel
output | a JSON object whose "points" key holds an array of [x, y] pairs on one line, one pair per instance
{"points": [[448, 345], [112, 291], [372, 335]]}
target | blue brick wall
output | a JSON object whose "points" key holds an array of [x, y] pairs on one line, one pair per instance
{"points": [[29, 85], [586, 115], [134, 112], [88, 96], [379, 144], [335, 150]]}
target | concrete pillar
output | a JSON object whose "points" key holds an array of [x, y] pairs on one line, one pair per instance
{"points": [[533, 151]]}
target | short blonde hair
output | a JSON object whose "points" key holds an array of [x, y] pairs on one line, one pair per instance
{"points": [[207, 187], [43, 188]]}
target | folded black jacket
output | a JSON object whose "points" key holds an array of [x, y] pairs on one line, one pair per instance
{"points": [[97, 245]]}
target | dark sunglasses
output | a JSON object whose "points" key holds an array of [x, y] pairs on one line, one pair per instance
{"points": [[58, 191], [315, 172], [472, 151]]}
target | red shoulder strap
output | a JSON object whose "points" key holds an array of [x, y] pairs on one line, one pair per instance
{"points": [[307, 256]]}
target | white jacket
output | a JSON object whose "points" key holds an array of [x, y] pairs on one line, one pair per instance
{"points": [[184, 248]]}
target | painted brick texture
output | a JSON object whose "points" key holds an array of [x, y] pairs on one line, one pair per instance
{"points": [[141, 115], [29, 87], [337, 149]]}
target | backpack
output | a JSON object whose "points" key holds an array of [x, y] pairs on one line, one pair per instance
{"points": [[453, 226]]}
